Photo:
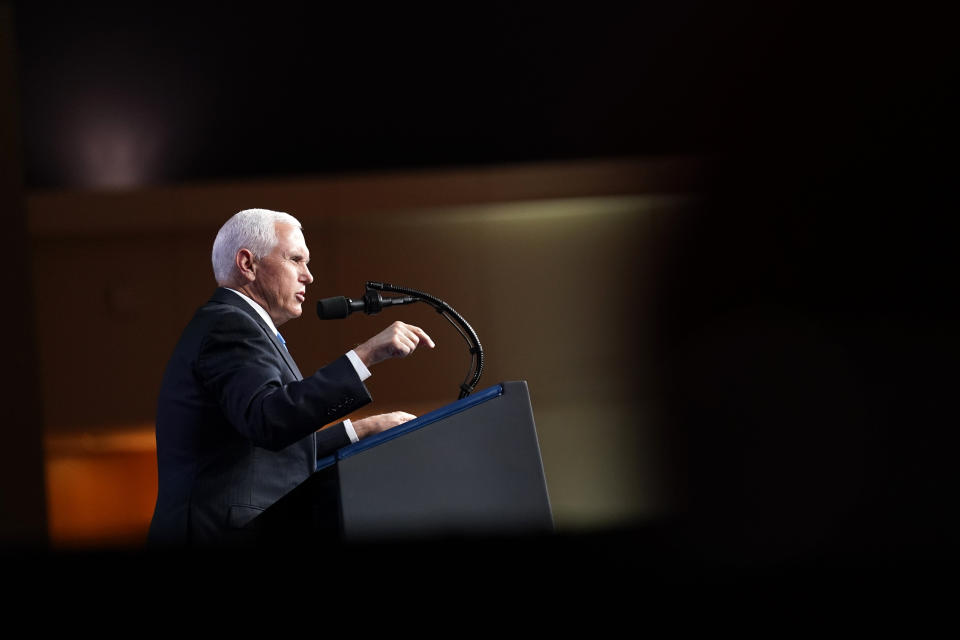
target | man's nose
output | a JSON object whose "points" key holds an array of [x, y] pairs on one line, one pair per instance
{"points": [[306, 276]]}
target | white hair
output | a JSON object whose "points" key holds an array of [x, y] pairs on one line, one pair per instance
{"points": [[253, 229]]}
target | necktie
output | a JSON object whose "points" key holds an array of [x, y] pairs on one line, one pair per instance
{"points": [[282, 341]]}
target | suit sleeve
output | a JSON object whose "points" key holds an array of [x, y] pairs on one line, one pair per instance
{"points": [[241, 367], [332, 438]]}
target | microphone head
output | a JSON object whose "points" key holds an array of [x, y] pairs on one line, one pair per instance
{"points": [[333, 308]]}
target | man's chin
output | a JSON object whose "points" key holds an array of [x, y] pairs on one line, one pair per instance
{"points": [[290, 315]]}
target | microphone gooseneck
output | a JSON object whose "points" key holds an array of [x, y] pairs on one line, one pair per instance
{"points": [[373, 302], [454, 318]]}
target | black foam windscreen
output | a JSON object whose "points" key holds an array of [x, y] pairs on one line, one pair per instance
{"points": [[333, 308]]}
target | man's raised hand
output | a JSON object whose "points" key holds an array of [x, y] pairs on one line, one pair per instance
{"points": [[396, 341]]}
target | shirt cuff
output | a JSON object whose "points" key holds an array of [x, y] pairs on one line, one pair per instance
{"points": [[351, 433], [361, 368]]}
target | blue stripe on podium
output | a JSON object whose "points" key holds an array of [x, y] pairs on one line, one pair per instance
{"points": [[417, 423]]}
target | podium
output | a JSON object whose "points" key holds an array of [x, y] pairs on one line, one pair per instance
{"points": [[471, 468]]}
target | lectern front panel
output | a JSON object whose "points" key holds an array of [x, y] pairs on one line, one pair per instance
{"points": [[478, 472]]}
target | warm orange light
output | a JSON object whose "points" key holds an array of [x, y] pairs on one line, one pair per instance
{"points": [[101, 487]]}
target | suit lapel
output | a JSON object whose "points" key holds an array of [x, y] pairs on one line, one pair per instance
{"points": [[285, 354], [228, 297]]}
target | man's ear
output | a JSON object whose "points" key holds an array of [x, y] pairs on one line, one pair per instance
{"points": [[246, 265]]}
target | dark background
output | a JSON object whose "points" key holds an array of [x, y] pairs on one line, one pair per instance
{"points": [[303, 88], [814, 290]]}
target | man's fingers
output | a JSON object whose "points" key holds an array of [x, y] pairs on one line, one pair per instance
{"points": [[415, 334], [396, 341], [381, 422], [400, 348], [422, 335], [408, 337]]}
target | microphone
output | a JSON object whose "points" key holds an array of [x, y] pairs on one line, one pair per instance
{"points": [[372, 302]]}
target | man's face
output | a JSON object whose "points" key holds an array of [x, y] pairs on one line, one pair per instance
{"points": [[282, 276]]}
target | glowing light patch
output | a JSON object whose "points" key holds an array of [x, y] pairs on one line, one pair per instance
{"points": [[115, 146]]}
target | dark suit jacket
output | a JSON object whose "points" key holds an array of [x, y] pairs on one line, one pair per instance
{"points": [[236, 423]]}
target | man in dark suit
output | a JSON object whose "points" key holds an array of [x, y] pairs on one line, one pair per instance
{"points": [[237, 423]]}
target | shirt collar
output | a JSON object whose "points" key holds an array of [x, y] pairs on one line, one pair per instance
{"points": [[256, 307]]}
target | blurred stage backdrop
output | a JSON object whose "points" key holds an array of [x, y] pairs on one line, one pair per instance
{"points": [[685, 227], [541, 260]]}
